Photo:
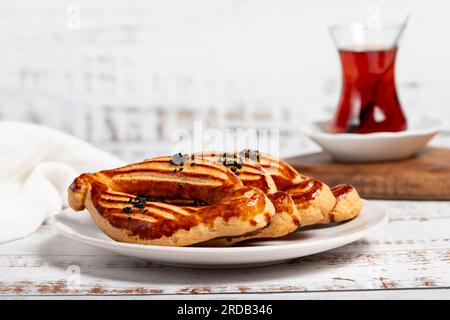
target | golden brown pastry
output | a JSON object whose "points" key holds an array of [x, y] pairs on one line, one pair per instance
{"points": [[286, 219], [248, 171], [348, 204], [313, 198], [315, 201], [213, 199], [282, 173], [171, 202]]}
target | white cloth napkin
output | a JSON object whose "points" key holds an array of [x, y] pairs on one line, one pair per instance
{"points": [[37, 164]]}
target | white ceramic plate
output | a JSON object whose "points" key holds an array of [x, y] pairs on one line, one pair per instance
{"points": [[80, 227], [380, 146]]}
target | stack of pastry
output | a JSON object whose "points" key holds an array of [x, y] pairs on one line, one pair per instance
{"points": [[208, 199]]}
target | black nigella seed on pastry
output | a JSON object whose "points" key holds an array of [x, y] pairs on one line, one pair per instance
{"points": [[142, 198], [198, 203], [138, 205], [178, 159], [251, 154], [127, 209]]}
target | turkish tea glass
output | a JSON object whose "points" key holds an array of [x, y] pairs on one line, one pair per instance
{"points": [[369, 100]]}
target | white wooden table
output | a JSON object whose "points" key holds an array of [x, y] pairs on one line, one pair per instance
{"points": [[409, 258]]}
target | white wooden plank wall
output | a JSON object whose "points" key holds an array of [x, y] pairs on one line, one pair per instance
{"points": [[136, 70]]}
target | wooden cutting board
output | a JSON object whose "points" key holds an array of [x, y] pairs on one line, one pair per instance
{"points": [[423, 177]]}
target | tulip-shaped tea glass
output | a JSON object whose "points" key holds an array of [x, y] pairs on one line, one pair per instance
{"points": [[369, 101]]}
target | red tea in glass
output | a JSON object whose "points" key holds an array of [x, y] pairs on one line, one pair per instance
{"points": [[369, 101]]}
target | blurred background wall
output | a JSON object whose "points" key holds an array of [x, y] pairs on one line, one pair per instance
{"points": [[123, 74]]}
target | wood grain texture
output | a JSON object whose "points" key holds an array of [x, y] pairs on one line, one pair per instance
{"points": [[412, 252], [423, 177], [391, 294]]}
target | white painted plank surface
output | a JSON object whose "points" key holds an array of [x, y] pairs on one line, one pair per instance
{"points": [[413, 251], [409, 294]]}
